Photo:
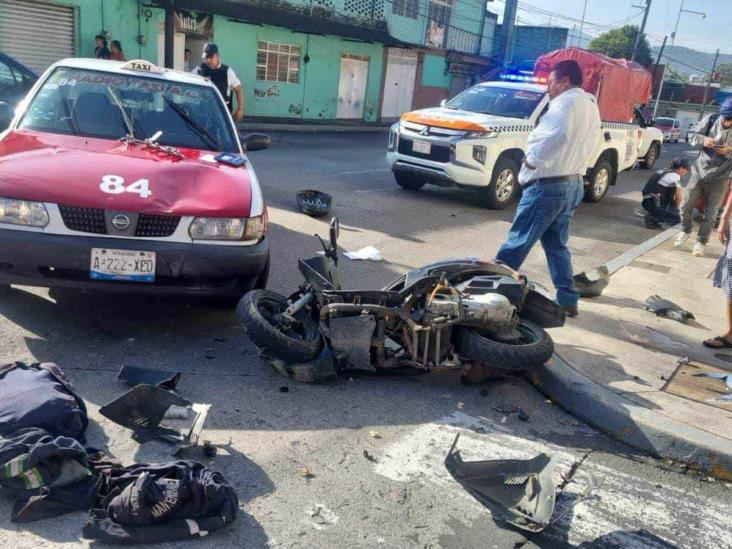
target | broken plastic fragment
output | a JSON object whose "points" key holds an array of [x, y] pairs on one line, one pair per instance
{"points": [[367, 253], [663, 307]]}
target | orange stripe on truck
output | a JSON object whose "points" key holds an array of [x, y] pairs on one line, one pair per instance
{"points": [[440, 122]]}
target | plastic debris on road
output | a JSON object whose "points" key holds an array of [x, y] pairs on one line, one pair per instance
{"points": [[368, 253]]}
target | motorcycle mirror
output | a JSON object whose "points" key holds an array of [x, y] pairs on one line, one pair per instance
{"points": [[335, 231]]}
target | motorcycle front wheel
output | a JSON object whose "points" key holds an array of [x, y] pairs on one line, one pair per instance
{"points": [[261, 314], [533, 348]]}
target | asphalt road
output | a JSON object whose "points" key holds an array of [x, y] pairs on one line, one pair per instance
{"points": [[400, 495]]}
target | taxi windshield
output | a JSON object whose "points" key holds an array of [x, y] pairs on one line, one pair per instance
{"points": [[664, 121], [498, 101], [112, 106]]}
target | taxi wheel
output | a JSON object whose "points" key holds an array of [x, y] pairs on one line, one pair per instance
{"points": [[408, 182]]}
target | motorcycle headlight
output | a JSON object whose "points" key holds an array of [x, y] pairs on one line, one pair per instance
{"points": [[227, 228], [482, 135], [23, 212]]}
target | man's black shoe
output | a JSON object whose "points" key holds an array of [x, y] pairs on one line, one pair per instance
{"points": [[571, 311], [652, 223]]}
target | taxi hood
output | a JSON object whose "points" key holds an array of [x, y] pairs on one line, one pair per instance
{"points": [[71, 170], [453, 119]]}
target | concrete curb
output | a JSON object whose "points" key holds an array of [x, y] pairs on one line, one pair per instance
{"points": [[631, 423], [308, 128], [623, 419]]}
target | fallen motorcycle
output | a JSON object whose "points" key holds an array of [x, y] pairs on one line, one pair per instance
{"points": [[462, 313]]}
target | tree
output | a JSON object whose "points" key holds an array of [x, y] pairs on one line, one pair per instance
{"points": [[725, 71], [618, 43], [673, 74]]}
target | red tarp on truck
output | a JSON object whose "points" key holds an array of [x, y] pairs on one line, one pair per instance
{"points": [[619, 84]]}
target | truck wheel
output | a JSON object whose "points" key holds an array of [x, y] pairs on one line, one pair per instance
{"points": [[651, 156], [504, 185], [599, 184], [260, 313], [532, 349], [408, 182]]}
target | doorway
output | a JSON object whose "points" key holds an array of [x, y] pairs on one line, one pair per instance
{"points": [[352, 86], [401, 73]]}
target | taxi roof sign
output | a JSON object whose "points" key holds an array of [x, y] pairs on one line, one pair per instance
{"points": [[141, 65]]}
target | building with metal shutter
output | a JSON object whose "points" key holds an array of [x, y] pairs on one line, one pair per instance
{"points": [[37, 33]]}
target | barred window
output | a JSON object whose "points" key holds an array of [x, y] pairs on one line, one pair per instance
{"points": [[405, 8], [278, 62]]}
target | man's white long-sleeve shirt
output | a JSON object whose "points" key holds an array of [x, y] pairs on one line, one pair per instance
{"points": [[564, 139]]}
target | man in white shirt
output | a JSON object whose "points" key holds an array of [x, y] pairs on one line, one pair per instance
{"points": [[223, 77], [557, 155]]}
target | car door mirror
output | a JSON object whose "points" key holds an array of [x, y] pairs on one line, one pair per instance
{"points": [[6, 114], [255, 141], [443, 102]]}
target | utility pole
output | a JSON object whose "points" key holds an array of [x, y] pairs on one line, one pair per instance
{"points": [[642, 29], [671, 50], [508, 28], [169, 33], [709, 82], [582, 25], [658, 60]]}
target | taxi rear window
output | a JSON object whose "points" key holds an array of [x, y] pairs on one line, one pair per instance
{"points": [[86, 102]]}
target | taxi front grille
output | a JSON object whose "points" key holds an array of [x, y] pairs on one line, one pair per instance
{"points": [[93, 220], [86, 220], [438, 153]]}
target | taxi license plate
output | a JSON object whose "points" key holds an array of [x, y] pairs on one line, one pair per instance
{"points": [[131, 265], [422, 147]]}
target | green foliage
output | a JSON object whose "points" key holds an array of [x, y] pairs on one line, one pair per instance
{"points": [[618, 43], [725, 70]]}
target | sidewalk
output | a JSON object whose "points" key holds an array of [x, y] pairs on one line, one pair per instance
{"points": [[269, 124], [617, 365]]}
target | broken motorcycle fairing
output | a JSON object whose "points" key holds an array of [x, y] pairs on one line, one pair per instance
{"points": [[522, 492], [418, 321]]}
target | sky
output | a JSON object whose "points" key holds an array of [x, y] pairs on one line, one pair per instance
{"points": [[705, 34]]}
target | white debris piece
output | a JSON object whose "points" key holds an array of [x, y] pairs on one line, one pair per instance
{"points": [[369, 252]]}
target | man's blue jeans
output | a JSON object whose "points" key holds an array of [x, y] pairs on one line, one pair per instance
{"points": [[545, 213]]}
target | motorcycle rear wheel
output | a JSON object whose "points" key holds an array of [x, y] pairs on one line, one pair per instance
{"points": [[260, 313], [505, 357]]}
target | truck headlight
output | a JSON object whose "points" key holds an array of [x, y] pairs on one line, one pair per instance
{"points": [[23, 212], [227, 228], [482, 135]]}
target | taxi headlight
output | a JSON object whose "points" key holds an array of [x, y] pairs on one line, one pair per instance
{"points": [[482, 134], [23, 212], [227, 228]]}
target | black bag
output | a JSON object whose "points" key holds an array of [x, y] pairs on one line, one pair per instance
{"points": [[161, 502], [49, 476], [39, 395]]}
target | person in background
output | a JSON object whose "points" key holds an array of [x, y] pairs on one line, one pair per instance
{"points": [[557, 155], [663, 193], [187, 60], [101, 51], [710, 175], [223, 78], [116, 54], [723, 276]]}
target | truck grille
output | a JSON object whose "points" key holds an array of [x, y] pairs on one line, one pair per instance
{"points": [[87, 220], [438, 153], [92, 220]]}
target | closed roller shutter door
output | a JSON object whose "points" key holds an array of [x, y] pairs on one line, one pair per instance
{"points": [[37, 33]]}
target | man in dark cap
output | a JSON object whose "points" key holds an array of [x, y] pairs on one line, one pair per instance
{"points": [[710, 175], [223, 77], [663, 194]]}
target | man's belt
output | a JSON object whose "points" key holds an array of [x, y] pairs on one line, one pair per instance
{"points": [[555, 179]]}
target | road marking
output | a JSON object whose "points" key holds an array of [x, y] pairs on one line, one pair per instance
{"points": [[618, 510]]}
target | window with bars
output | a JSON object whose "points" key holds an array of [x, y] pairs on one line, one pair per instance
{"points": [[405, 8], [278, 62]]}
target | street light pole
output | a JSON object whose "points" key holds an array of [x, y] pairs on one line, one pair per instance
{"points": [[582, 25], [671, 49]]}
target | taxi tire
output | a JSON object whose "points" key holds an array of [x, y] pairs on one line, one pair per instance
{"points": [[270, 340], [408, 182], [489, 197]]}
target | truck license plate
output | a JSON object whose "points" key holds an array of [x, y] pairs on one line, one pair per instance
{"points": [[131, 265], [421, 147]]}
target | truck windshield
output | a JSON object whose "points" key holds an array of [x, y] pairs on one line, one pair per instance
{"points": [[498, 101], [111, 105]]}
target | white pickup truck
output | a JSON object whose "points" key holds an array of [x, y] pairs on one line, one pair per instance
{"points": [[478, 139]]}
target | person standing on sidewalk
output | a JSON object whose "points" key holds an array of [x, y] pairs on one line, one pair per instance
{"points": [[723, 276], [710, 175], [223, 77], [116, 53], [552, 176], [101, 51]]}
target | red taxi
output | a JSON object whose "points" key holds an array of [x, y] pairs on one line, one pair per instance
{"points": [[125, 176]]}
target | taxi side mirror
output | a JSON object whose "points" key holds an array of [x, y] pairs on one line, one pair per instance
{"points": [[6, 115], [255, 141]]}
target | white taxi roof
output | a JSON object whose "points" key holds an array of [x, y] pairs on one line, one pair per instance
{"points": [[541, 88], [124, 67]]}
